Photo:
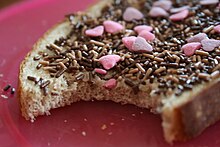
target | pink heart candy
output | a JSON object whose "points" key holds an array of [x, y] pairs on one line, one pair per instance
{"points": [[112, 26], [100, 71], [128, 41], [132, 13], [210, 44], [209, 2], [110, 84], [197, 38], [141, 45], [109, 61], [180, 15], [165, 4], [158, 12], [147, 35], [176, 10], [141, 28], [217, 29], [95, 32], [190, 48]]}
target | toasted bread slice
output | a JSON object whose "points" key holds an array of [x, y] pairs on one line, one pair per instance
{"points": [[44, 88]]}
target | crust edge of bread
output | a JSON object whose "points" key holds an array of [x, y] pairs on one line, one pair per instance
{"points": [[23, 63], [189, 119]]}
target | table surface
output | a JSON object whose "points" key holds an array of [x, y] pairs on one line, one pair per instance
{"points": [[6, 3], [83, 123]]}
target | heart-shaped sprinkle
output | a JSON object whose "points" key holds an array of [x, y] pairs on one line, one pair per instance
{"points": [[197, 38], [141, 28], [209, 2], [158, 12], [147, 35], [109, 61], [95, 32], [100, 71], [165, 4], [190, 48], [176, 10], [110, 84], [180, 15], [112, 26], [141, 45], [217, 29], [129, 41], [132, 13], [210, 44]]}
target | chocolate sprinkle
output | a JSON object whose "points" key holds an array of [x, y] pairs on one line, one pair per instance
{"points": [[44, 84], [7, 87], [31, 78]]}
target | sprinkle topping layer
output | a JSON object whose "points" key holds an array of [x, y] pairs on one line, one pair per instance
{"points": [[173, 44]]}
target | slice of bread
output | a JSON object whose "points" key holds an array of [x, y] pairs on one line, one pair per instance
{"points": [[60, 79]]}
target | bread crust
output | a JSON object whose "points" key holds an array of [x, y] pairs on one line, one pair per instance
{"points": [[205, 108], [189, 119]]}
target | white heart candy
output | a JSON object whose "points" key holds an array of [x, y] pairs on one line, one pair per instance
{"points": [[158, 12], [141, 45], [197, 38], [210, 44], [132, 13], [165, 4]]}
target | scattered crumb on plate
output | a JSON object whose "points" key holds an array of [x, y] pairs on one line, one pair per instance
{"points": [[133, 114], [112, 123], [104, 127], [83, 133], [110, 133], [4, 96]]}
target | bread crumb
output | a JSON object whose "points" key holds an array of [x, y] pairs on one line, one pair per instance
{"points": [[112, 123], [104, 127], [110, 133], [59, 138], [133, 115], [83, 133], [4, 96], [47, 113]]}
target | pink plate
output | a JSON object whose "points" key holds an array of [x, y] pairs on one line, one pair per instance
{"points": [[98, 124]]}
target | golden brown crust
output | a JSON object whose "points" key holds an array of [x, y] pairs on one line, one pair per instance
{"points": [[189, 119], [201, 112]]}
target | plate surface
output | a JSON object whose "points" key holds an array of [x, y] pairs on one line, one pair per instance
{"points": [[98, 124]]}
